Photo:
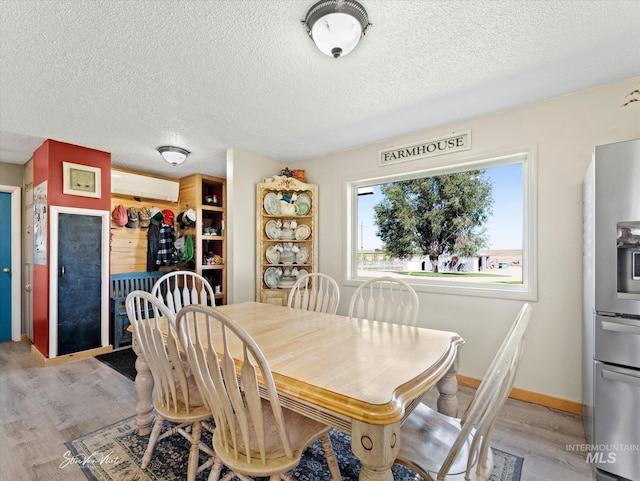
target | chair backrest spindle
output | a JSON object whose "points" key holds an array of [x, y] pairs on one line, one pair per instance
{"points": [[146, 313], [178, 289], [472, 439], [315, 292], [386, 299], [219, 352]]}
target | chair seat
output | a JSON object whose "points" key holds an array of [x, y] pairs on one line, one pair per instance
{"points": [[426, 440], [197, 409], [305, 433]]}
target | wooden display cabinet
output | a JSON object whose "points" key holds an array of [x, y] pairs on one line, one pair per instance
{"points": [[207, 195], [301, 238]]}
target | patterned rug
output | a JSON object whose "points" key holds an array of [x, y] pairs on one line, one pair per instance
{"points": [[115, 452]]}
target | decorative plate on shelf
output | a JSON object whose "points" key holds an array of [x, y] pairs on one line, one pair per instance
{"points": [[302, 232], [272, 277], [271, 204], [303, 204], [302, 256], [272, 255], [272, 230]]}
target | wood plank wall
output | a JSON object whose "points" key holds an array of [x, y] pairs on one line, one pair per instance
{"points": [[129, 245]]}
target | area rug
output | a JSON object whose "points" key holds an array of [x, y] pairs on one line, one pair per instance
{"points": [[123, 361], [114, 453]]}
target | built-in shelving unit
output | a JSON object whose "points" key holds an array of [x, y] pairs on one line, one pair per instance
{"points": [[207, 195]]}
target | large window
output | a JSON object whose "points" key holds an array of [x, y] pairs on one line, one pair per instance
{"points": [[467, 228]]}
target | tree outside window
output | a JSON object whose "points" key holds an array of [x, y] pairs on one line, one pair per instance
{"points": [[459, 227]]}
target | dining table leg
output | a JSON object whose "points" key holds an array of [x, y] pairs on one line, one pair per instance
{"points": [[447, 402], [377, 447], [144, 390]]}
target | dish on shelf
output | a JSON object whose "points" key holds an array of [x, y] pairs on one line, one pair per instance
{"points": [[303, 204], [302, 256], [288, 257], [302, 232], [271, 204], [273, 230], [303, 199], [286, 281], [287, 209], [272, 277], [272, 255], [287, 234], [302, 272]]}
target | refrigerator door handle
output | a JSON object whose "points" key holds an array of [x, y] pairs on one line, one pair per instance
{"points": [[625, 326], [620, 377]]}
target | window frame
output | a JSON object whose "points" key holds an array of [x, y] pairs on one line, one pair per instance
{"points": [[527, 291]]}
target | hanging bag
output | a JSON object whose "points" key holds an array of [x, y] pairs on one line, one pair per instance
{"points": [[187, 253]]}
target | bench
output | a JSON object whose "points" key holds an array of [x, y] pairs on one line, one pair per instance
{"points": [[121, 286]]}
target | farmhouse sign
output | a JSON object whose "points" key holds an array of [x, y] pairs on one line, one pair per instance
{"points": [[429, 148]]}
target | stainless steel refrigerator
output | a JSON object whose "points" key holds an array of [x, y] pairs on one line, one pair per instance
{"points": [[611, 313]]}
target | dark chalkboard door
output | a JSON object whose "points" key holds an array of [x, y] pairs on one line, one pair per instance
{"points": [[79, 282]]}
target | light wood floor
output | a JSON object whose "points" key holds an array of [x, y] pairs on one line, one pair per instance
{"points": [[42, 408]]}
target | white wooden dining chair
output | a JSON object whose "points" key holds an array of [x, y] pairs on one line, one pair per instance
{"points": [[178, 289], [254, 435], [177, 398], [386, 299], [315, 292], [439, 447]]}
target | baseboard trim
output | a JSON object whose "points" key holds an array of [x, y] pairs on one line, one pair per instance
{"points": [[532, 397], [47, 361]]}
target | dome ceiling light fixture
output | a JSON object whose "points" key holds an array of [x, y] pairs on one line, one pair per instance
{"points": [[336, 25], [173, 155]]}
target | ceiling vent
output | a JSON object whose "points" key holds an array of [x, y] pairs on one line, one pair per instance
{"points": [[137, 185]]}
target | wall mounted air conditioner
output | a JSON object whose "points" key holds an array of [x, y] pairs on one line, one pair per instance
{"points": [[137, 185]]}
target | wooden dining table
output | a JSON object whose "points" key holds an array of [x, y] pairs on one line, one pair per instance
{"points": [[359, 376]]}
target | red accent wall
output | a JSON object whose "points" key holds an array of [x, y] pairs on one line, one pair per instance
{"points": [[47, 166]]}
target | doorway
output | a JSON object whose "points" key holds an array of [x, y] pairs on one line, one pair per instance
{"points": [[5, 265], [10, 258], [79, 280]]}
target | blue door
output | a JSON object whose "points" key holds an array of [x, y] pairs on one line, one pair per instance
{"points": [[5, 266], [79, 282]]}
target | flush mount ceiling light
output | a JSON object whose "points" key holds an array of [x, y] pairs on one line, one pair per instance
{"points": [[173, 155], [336, 25]]}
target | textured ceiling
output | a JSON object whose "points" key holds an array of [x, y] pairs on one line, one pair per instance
{"points": [[128, 76]]}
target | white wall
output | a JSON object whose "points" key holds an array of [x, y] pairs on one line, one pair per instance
{"points": [[244, 171], [564, 130]]}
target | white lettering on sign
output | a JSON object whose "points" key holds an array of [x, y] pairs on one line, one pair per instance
{"points": [[429, 148]]}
